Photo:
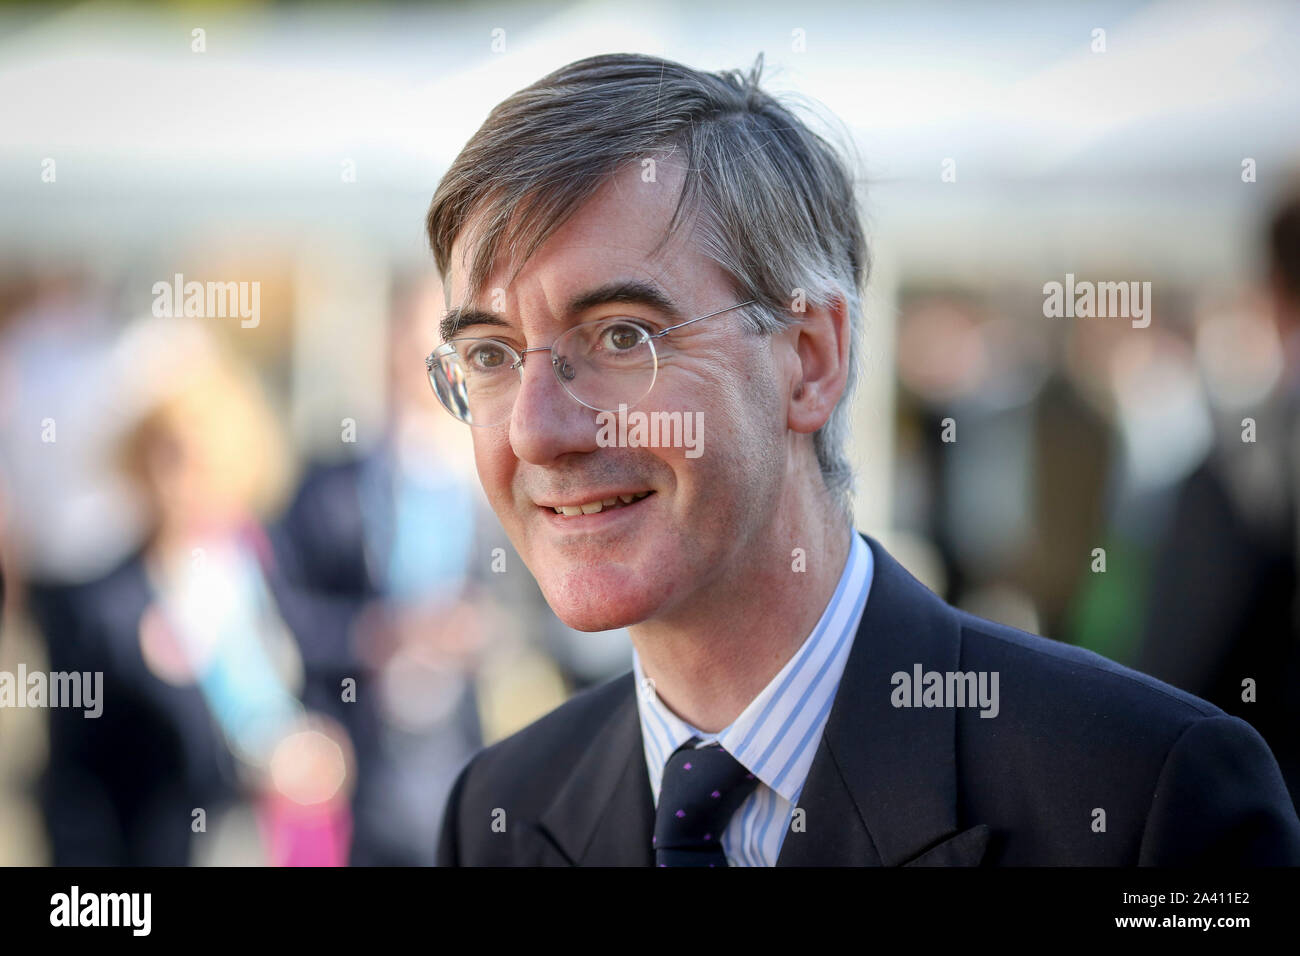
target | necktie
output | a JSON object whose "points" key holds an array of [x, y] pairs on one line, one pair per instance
{"points": [[700, 791]]}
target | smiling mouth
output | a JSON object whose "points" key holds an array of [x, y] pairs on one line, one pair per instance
{"points": [[612, 503]]}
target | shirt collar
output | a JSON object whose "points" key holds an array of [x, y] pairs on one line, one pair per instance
{"points": [[766, 738]]}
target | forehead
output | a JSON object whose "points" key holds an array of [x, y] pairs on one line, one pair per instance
{"points": [[620, 232]]}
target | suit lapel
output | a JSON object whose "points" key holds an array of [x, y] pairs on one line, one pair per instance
{"points": [[827, 805], [882, 789], [604, 813]]}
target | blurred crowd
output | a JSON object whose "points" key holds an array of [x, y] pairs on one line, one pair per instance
{"points": [[300, 649], [1130, 490]]}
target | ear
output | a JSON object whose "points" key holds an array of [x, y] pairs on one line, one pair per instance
{"points": [[820, 342]]}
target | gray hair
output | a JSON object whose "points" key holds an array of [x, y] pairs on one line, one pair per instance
{"points": [[775, 202]]}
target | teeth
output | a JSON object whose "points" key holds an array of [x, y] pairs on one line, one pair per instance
{"points": [[594, 507]]}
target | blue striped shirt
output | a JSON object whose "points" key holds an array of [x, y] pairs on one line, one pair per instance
{"points": [[777, 735]]}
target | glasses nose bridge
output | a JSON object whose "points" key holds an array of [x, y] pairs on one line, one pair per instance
{"points": [[537, 348], [523, 354]]}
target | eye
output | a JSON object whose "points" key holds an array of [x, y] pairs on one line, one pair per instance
{"points": [[621, 337], [486, 357]]}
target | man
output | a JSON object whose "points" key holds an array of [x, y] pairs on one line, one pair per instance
{"points": [[629, 233]]}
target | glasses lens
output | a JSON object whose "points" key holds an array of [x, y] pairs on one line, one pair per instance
{"points": [[606, 363], [476, 380]]}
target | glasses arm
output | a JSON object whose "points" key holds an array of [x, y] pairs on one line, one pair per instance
{"points": [[662, 332]]}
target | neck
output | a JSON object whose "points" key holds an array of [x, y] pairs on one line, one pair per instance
{"points": [[711, 658]]}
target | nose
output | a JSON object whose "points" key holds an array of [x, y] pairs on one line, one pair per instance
{"points": [[547, 422]]}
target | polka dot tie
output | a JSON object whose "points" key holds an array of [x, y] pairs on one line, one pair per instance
{"points": [[701, 789]]}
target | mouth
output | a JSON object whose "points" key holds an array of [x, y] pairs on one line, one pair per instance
{"points": [[593, 506]]}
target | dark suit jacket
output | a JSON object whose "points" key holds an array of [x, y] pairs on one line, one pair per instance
{"points": [[1179, 781]]}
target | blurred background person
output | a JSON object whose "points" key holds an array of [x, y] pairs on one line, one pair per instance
{"points": [[201, 674], [1224, 607], [69, 516], [388, 554]]}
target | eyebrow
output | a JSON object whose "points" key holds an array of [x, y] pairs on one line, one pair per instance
{"points": [[457, 319], [633, 291]]}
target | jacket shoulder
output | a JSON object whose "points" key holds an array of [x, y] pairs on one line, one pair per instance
{"points": [[1180, 781], [1039, 669]]}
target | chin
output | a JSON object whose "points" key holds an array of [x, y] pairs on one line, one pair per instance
{"points": [[600, 599]]}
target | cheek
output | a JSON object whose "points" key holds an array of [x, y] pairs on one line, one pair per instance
{"points": [[495, 460], [750, 421], [742, 448]]}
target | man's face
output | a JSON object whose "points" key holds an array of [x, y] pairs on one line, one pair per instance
{"points": [[660, 555]]}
